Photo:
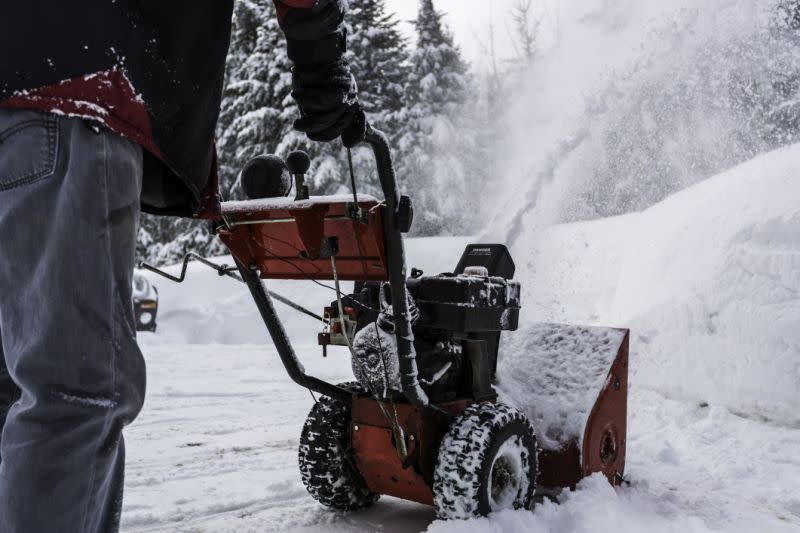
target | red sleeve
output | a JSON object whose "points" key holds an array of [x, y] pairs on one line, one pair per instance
{"points": [[283, 6]]}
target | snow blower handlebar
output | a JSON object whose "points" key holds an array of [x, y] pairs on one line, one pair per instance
{"points": [[306, 238], [397, 221], [281, 340]]}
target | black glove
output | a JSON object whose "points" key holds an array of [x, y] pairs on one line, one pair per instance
{"points": [[322, 84], [328, 99]]}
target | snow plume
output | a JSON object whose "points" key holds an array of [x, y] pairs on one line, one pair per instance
{"points": [[637, 99], [658, 113]]}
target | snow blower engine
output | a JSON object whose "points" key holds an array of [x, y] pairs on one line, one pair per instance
{"points": [[423, 421]]}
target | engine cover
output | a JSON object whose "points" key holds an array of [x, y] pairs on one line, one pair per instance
{"points": [[467, 303]]}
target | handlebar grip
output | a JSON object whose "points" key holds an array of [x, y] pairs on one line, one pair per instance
{"points": [[355, 133]]}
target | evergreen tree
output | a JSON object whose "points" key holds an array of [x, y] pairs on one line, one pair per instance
{"points": [[378, 57], [433, 142], [377, 53], [526, 31], [252, 120], [789, 14], [438, 73]]}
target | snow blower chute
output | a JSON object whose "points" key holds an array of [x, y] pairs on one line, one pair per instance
{"points": [[423, 421]]}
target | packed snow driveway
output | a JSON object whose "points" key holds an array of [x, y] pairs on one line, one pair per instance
{"points": [[216, 447], [215, 450]]}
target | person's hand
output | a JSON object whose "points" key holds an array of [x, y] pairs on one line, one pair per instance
{"points": [[328, 99]]}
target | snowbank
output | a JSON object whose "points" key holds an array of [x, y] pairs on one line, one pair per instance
{"points": [[691, 469], [707, 280]]}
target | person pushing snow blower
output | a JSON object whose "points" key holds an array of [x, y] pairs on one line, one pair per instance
{"points": [[107, 107]]}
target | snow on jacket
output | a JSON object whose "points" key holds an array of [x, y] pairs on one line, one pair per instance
{"points": [[151, 70]]}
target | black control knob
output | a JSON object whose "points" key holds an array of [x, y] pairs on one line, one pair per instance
{"points": [[298, 162], [266, 176], [405, 214]]}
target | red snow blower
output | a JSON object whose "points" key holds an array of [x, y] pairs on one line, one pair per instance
{"points": [[423, 421]]}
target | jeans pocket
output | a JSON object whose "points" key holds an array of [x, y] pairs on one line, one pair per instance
{"points": [[28, 150]]}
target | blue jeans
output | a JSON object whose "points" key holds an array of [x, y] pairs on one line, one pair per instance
{"points": [[71, 373]]}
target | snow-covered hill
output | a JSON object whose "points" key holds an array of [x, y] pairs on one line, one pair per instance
{"points": [[708, 280]]}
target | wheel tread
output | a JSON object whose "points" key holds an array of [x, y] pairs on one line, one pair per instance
{"points": [[327, 467], [462, 457]]}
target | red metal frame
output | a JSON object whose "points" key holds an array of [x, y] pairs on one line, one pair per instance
{"points": [[604, 438], [285, 240], [601, 450], [376, 456]]}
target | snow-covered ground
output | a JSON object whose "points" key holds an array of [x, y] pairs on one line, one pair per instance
{"points": [[709, 283]]}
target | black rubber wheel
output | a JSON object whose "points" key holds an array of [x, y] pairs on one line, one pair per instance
{"points": [[487, 462], [327, 466]]}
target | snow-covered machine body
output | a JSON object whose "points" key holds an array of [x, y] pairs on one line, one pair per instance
{"points": [[456, 320], [424, 421]]}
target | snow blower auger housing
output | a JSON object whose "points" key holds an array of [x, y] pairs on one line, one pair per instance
{"points": [[423, 421]]}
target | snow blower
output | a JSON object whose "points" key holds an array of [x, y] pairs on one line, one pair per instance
{"points": [[423, 421]]}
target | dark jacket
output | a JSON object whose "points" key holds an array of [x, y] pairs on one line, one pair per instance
{"points": [[151, 70]]}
